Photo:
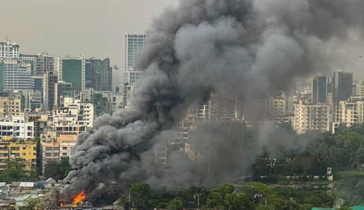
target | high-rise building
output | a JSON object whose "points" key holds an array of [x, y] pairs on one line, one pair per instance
{"points": [[45, 63], [30, 59], [134, 43], [9, 50], [312, 117], [62, 90], [98, 74], [319, 89], [17, 76], [49, 90], [342, 86], [40, 63], [1, 75], [72, 70]]}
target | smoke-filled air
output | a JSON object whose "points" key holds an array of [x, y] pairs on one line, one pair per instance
{"points": [[246, 48]]}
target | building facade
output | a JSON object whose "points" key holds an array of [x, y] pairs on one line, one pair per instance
{"points": [[16, 127], [312, 117], [17, 75], [342, 86], [72, 70], [9, 50], [98, 74]]}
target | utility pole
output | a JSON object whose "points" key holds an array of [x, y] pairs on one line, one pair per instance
{"points": [[198, 199]]}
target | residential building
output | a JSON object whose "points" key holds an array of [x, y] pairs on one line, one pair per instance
{"points": [[16, 127], [72, 70], [358, 89], [275, 106], [342, 86], [9, 50], [26, 150], [66, 144], [10, 106], [17, 75], [1, 75], [49, 91], [312, 117], [350, 112], [41, 122], [50, 152]]}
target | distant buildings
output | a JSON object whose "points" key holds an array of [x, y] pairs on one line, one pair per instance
{"points": [[16, 75], [16, 127], [342, 86], [9, 50], [134, 43], [98, 74], [312, 117], [26, 150], [72, 70]]}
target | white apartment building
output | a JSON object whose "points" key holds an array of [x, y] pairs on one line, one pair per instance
{"points": [[16, 127], [9, 49], [350, 112], [312, 117]]}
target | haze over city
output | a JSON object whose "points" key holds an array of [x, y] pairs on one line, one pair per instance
{"points": [[182, 104]]}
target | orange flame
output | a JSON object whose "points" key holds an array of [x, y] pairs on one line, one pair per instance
{"points": [[79, 197]]}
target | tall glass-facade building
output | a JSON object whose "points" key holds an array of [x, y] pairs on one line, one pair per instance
{"points": [[72, 70], [134, 43]]}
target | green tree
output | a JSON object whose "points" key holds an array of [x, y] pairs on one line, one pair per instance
{"points": [[65, 167], [15, 170], [263, 207], [175, 204], [238, 201], [140, 193], [52, 169], [215, 200]]}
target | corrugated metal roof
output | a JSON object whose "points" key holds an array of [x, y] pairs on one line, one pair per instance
{"points": [[26, 184], [357, 207], [2, 184]]}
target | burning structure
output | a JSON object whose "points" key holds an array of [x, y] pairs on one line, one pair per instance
{"points": [[250, 48]]}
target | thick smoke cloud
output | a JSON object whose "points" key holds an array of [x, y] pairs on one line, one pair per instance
{"points": [[250, 48]]}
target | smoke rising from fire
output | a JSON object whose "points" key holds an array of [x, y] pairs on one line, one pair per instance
{"points": [[249, 48]]}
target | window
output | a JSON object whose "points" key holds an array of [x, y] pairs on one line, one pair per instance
{"points": [[64, 148]]}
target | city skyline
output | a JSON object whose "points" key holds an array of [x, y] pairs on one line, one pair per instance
{"points": [[96, 34]]}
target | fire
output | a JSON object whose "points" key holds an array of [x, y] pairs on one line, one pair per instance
{"points": [[79, 197]]}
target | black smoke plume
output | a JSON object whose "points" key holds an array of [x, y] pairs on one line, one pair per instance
{"points": [[250, 48]]}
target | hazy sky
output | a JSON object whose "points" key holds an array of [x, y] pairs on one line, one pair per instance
{"points": [[93, 28]]}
